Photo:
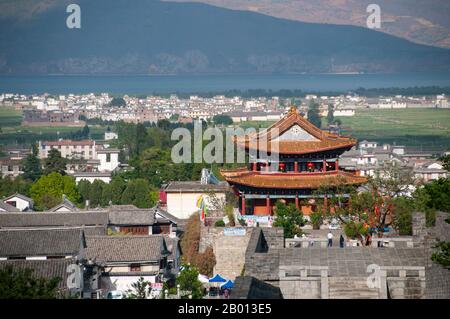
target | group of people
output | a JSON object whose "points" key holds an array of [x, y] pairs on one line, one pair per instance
{"points": [[330, 240]]}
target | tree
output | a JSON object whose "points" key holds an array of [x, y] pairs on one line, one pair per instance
{"points": [[330, 115], [313, 114], [118, 102], [137, 193], [222, 120], [54, 163], [316, 219], [434, 195], [141, 289], [446, 162], [290, 218], [22, 284], [32, 165], [85, 133], [190, 243], [442, 255], [188, 281], [403, 208], [50, 187]]}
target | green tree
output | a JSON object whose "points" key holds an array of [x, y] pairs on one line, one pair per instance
{"points": [[118, 102], [137, 193], [85, 133], [96, 193], [434, 195], [313, 114], [403, 208], [84, 189], [53, 186], [22, 284], [446, 162], [316, 219], [54, 163], [188, 281], [117, 186], [442, 255], [290, 218], [32, 165], [222, 120], [330, 115], [141, 289]]}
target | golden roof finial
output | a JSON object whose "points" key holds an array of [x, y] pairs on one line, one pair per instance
{"points": [[293, 109]]}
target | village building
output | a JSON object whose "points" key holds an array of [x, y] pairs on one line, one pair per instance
{"points": [[128, 258], [19, 201], [181, 199], [307, 160]]}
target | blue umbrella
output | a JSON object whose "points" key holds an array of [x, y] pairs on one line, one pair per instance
{"points": [[217, 278], [228, 285]]}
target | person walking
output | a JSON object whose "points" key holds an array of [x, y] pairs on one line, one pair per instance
{"points": [[330, 239], [341, 241]]}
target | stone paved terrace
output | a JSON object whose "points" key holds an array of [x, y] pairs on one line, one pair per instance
{"points": [[351, 261]]}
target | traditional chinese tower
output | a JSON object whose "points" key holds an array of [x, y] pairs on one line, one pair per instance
{"points": [[307, 159]]}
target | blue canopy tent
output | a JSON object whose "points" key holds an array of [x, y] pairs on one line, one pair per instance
{"points": [[217, 278], [228, 285]]}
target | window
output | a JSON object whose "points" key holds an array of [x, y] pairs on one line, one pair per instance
{"points": [[108, 158], [135, 268]]}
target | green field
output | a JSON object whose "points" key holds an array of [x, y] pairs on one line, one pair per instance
{"points": [[12, 131], [419, 129]]}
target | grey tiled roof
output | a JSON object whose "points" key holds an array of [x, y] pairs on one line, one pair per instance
{"points": [[46, 242], [129, 215], [25, 198], [7, 207], [43, 219], [124, 248], [194, 186], [46, 269]]}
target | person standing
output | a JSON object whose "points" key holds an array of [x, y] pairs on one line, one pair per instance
{"points": [[341, 241], [330, 239]]}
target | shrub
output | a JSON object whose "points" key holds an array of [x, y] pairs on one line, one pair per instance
{"points": [[354, 230], [316, 220], [219, 223]]}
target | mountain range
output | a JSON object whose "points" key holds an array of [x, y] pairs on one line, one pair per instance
{"points": [[154, 37]]}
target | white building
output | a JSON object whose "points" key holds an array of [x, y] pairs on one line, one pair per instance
{"points": [[85, 149], [109, 160], [21, 202]]}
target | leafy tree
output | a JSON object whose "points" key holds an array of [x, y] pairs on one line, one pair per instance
{"points": [[85, 133], [188, 281], [84, 189], [442, 256], [117, 187], [174, 117], [446, 162], [96, 193], [434, 195], [51, 186], [330, 116], [313, 114], [141, 289], [190, 243], [118, 102], [403, 208], [32, 165], [22, 284], [10, 186], [137, 193], [290, 218], [222, 120], [54, 163], [316, 219], [356, 230]]}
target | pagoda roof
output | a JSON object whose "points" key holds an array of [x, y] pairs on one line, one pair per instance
{"points": [[291, 181], [306, 138]]}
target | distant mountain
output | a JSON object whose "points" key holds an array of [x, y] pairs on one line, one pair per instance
{"points": [[152, 37], [425, 22]]}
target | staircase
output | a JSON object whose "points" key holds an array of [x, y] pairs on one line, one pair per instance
{"points": [[351, 288]]}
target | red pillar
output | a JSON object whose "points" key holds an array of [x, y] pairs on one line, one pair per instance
{"points": [[268, 210], [325, 203], [296, 167], [242, 204], [297, 202], [337, 165], [255, 166], [324, 168]]}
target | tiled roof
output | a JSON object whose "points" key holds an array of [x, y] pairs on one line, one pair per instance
{"points": [[7, 208], [68, 143], [324, 140], [195, 186], [129, 215], [291, 181], [29, 243], [46, 269], [45, 219], [125, 248]]}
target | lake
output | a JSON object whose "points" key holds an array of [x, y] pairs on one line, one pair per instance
{"points": [[64, 84]]}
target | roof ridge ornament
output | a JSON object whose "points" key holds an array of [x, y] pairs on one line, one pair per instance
{"points": [[293, 110]]}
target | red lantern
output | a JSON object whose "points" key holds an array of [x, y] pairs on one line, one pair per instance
{"points": [[310, 165]]}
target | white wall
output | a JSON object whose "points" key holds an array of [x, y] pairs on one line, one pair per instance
{"points": [[183, 205], [21, 204], [106, 166]]}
